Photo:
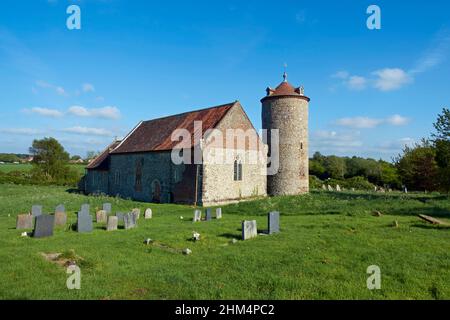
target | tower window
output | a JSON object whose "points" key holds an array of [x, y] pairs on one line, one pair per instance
{"points": [[237, 170], [301, 145]]}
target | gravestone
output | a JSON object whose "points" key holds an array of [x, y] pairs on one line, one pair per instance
{"points": [[107, 207], [137, 212], [219, 213], [60, 218], [101, 216], [112, 224], [249, 229], [60, 208], [197, 215], [44, 226], [330, 188], [36, 211], [24, 221], [273, 222], [129, 220], [85, 208], [148, 214], [84, 223], [338, 188], [324, 187], [120, 216], [208, 215]]}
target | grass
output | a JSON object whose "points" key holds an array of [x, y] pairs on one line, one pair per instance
{"points": [[9, 167], [326, 243]]}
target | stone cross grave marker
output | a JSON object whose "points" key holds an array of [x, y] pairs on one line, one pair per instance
{"points": [[208, 215], [84, 223], [36, 210], [60, 218], [112, 224], [129, 220], [148, 214], [60, 208], [219, 213], [44, 226], [273, 222], [197, 215], [24, 221], [107, 207], [249, 229]]}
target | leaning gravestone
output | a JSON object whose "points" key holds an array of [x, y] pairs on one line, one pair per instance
{"points": [[112, 224], [101, 216], [130, 220], [197, 215], [148, 214], [208, 215], [85, 208], [36, 211], [249, 229], [219, 213], [107, 207], [44, 226], [84, 223], [60, 218], [273, 222], [137, 212], [24, 221], [60, 208]]}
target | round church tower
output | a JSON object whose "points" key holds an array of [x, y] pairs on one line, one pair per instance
{"points": [[286, 108]]}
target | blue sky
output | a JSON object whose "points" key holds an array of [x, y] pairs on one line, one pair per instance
{"points": [[372, 91]]}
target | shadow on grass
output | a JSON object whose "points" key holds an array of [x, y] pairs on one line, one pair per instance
{"points": [[431, 226]]}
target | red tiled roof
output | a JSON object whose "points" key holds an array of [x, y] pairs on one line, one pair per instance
{"points": [[284, 89], [155, 135], [103, 156]]}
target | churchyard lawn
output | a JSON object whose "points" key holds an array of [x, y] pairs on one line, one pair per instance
{"points": [[327, 242]]}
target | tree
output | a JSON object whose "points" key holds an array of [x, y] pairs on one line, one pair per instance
{"points": [[442, 146], [417, 167], [335, 167], [75, 158], [50, 160]]}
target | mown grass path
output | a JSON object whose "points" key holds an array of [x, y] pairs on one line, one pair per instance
{"points": [[326, 243]]}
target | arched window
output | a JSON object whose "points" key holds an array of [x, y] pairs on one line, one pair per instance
{"points": [[237, 170]]}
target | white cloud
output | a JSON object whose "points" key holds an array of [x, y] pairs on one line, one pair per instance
{"points": [[45, 85], [368, 123], [389, 79], [356, 83], [434, 56], [87, 87], [341, 75], [394, 146], [88, 131], [335, 142], [107, 112], [46, 112], [20, 131], [359, 122]]}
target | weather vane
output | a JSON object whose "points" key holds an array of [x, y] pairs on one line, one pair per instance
{"points": [[285, 73]]}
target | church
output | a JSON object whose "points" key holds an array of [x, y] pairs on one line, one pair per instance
{"points": [[210, 156]]}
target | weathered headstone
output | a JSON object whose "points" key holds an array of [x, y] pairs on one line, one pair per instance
{"points": [[273, 222], [324, 187], [208, 215], [197, 215], [112, 224], [60, 218], [137, 212], [36, 210], [330, 188], [24, 221], [85, 208], [44, 226], [107, 207], [148, 214], [84, 223], [249, 229], [338, 188], [101, 216], [219, 213], [60, 208], [129, 220], [120, 216]]}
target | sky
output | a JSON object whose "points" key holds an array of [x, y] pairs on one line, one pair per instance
{"points": [[372, 91]]}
